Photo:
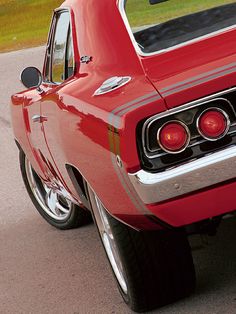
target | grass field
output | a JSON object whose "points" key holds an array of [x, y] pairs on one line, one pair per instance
{"points": [[24, 23], [140, 12]]}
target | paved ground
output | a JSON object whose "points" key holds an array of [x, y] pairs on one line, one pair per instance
{"points": [[43, 270]]}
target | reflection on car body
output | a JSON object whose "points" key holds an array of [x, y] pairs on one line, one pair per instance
{"points": [[137, 129]]}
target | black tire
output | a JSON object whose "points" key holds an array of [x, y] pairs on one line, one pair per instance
{"points": [[158, 265], [77, 217]]}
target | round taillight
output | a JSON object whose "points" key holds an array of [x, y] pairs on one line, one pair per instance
{"points": [[213, 124], [173, 137]]}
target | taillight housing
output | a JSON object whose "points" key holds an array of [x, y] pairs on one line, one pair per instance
{"points": [[173, 137], [213, 124]]}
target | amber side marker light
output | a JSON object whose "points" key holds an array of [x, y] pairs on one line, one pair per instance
{"points": [[173, 137], [213, 124]]}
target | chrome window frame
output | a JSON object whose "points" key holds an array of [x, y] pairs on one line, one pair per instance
{"points": [[121, 6], [49, 45]]}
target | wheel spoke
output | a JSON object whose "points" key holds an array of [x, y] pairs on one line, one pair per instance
{"points": [[51, 201], [47, 197], [46, 188], [62, 208]]}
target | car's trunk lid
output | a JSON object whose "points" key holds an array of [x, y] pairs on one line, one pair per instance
{"points": [[194, 70]]}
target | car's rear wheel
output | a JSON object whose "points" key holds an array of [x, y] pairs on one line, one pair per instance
{"points": [[53, 205], [152, 269]]}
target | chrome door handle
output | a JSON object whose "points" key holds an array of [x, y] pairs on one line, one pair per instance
{"points": [[39, 119], [112, 84]]}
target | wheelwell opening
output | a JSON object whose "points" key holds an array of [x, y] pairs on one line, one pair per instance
{"points": [[79, 184], [18, 145]]}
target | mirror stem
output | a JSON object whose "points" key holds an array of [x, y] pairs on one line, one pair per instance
{"points": [[40, 90]]}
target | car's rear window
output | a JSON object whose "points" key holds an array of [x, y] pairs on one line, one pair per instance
{"points": [[169, 23]]}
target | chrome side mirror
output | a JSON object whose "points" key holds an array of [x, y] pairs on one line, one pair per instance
{"points": [[31, 77]]}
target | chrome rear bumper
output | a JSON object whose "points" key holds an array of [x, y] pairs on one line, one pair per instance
{"points": [[201, 173]]}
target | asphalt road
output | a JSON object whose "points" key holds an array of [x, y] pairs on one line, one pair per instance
{"points": [[43, 270]]}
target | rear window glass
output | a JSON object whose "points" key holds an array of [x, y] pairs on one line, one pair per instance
{"points": [[172, 22]]}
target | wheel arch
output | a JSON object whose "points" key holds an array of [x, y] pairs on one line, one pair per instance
{"points": [[79, 184]]}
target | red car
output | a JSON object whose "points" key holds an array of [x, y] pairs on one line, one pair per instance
{"points": [[135, 125]]}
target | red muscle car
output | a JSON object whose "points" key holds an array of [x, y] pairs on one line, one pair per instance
{"points": [[134, 122]]}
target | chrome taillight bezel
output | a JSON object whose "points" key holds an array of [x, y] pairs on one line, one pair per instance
{"points": [[187, 132], [226, 129]]}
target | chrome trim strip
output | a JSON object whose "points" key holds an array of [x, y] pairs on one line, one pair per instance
{"points": [[192, 104], [195, 175], [121, 6]]}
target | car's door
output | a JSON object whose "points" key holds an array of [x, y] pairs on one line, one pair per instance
{"points": [[58, 70], [34, 127], [53, 76]]}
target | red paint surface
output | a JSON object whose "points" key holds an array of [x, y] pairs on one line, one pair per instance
{"points": [[198, 206], [81, 131]]}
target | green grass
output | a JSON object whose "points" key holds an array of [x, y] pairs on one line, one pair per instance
{"points": [[25, 23], [140, 12]]}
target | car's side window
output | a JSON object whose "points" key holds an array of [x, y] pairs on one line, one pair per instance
{"points": [[62, 59]]}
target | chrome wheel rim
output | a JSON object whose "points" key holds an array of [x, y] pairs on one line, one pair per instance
{"points": [[109, 243], [51, 200]]}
